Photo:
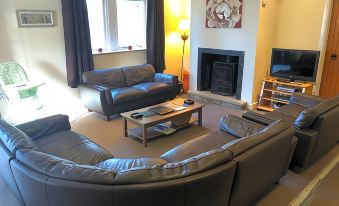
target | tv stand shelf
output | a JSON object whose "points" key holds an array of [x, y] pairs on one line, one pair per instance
{"points": [[275, 92]]}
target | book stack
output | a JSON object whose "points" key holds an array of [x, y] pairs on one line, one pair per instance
{"points": [[164, 129]]}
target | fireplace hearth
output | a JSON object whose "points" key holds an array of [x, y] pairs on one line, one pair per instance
{"points": [[220, 71]]}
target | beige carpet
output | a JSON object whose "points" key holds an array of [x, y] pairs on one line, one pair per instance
{"points": [[110, 134]]}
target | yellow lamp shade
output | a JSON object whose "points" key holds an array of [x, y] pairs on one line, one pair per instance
{"points": [[184, 25]]}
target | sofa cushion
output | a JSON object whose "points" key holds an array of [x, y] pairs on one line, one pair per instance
{"points": [[127, 94], [306, 118], [13, 138], [45, 126], [112, 77], [239, 127], [154, 88], [197, 146], [305, 100], [119, 164], [73, 147], [168, 171], [241, 145], [138, 74], [53, 166]]}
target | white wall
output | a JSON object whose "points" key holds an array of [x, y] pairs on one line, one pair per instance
{"points": [[119, 59], [243, 39], [41, 51], [265, 41], [304, 27]]}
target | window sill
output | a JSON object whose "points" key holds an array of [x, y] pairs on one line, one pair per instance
{"points": [[122, 50]]}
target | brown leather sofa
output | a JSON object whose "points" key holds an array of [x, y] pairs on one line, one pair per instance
{"points": [[316, 122], [45, 163], [116, 90]]}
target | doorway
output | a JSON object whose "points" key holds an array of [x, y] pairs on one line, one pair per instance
{"points": [[330, 78]]}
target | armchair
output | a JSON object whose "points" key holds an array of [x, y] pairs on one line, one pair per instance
{"points": [[315, 120], [15, 83]]}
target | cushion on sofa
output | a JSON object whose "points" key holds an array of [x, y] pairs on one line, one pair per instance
{"points": [[168, 171], [119, 164], [127, 94], [45, 126], [243, 144], [138, 74], [306, 118], [13, 138], [111, 77], [305, 100], [154, 88], [238, 127], [53, 166], [73, 147], [197, 146]]}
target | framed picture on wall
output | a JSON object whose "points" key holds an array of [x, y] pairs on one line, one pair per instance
{"points": [[223, 14], [34, 18]]}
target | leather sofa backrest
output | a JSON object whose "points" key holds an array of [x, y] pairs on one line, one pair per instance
{"points": [[112, 77], [168, 171], [241, 145], [53, 166], [51, 124], [14, 139], [138, 74], [305, 100], [307, 117]]}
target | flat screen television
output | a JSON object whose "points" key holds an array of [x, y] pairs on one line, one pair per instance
{"points": [[294, 65]]}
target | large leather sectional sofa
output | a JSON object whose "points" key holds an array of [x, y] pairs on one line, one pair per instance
{"points": [[45, 163], [315, 120], [116, 90]]}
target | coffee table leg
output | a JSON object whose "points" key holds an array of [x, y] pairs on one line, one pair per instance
{"points": [[144, 135], [200, 117], [125, 127]]}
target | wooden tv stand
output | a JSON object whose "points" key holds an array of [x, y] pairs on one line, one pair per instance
{"points": [[271, 95]]}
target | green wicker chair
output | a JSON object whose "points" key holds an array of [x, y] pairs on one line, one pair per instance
{"points": [[15, 83]]}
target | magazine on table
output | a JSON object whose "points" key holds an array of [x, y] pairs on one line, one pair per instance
{"points": [[163, 128]]}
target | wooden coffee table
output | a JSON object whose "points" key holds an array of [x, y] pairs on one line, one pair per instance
{"points": [[178, 119]]}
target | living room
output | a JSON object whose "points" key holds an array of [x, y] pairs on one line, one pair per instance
{"points": [[265, 24]]}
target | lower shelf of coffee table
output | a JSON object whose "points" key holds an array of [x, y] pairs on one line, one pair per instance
{"points": [[151, 133]]}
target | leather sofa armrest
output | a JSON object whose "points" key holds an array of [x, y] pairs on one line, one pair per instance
{"points": [[95, 96], [45, 126], [257, 117], [305, 100], [166, 78], [306, 141]]}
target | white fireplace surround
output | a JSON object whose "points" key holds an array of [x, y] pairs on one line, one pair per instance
{"points": [[243, 39]]}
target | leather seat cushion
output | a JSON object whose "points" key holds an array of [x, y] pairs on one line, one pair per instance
{"points": [[239, 127], [127, 94], [154, 88], [197, 146], [73, 147], [118, 164]]}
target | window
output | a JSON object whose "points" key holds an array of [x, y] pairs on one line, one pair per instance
{"points": [[116, 24]]}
